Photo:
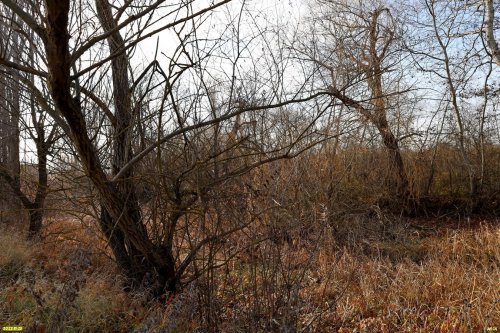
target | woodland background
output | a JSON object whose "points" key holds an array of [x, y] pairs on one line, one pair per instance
{"points": [[241, 166]]}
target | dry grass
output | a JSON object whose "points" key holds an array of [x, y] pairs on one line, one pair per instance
{"points": [[59, 285], [454, 289], [371, 281], [444, 282]]}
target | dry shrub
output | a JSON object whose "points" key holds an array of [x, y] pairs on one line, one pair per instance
{"points": [[179, 313], [441, 282], [14, 254], [448, 292], [309, 262], [59, 285], [101, 306], [318, 284]]}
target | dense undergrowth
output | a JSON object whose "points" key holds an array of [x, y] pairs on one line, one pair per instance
{"points": [[364, 273], [320, 253]]}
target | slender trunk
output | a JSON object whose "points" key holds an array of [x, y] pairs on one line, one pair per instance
{"points": [[37, 208], [489, 23], [380, 114], [390, 141], [129, 257], [9, 117], [471, 168], [371, 63], [15, 113], [122, 151]]}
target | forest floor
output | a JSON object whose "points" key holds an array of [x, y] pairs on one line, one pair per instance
{"points": [[424, 276]]}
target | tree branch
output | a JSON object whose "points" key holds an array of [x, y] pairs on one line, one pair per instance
{"points": [[28, 19], [489, 18], [153, 146], [87, 46]]}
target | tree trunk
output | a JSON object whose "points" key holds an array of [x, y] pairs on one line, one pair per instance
{"points": [[129, 258], [489, 22], [395, 160], [37, 209], [9, 118], [36, 223], [371, 62], [117, 198], [474, 179], [379, 116]]}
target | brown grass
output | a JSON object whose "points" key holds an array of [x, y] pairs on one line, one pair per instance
{"points": [[333, 281]]}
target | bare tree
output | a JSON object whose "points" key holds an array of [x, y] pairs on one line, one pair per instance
{"points": [[449, 49], [355, 46], [9, 108], [157, 121], [26, 96]]}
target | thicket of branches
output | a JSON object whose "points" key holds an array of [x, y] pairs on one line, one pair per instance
{"points": [[165, 122]]}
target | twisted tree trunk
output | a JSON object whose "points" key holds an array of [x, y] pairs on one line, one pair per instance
{"points": [[121, 221]]}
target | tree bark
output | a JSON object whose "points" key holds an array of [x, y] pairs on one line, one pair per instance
{"points": [[379, 120], [126, 253]]}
